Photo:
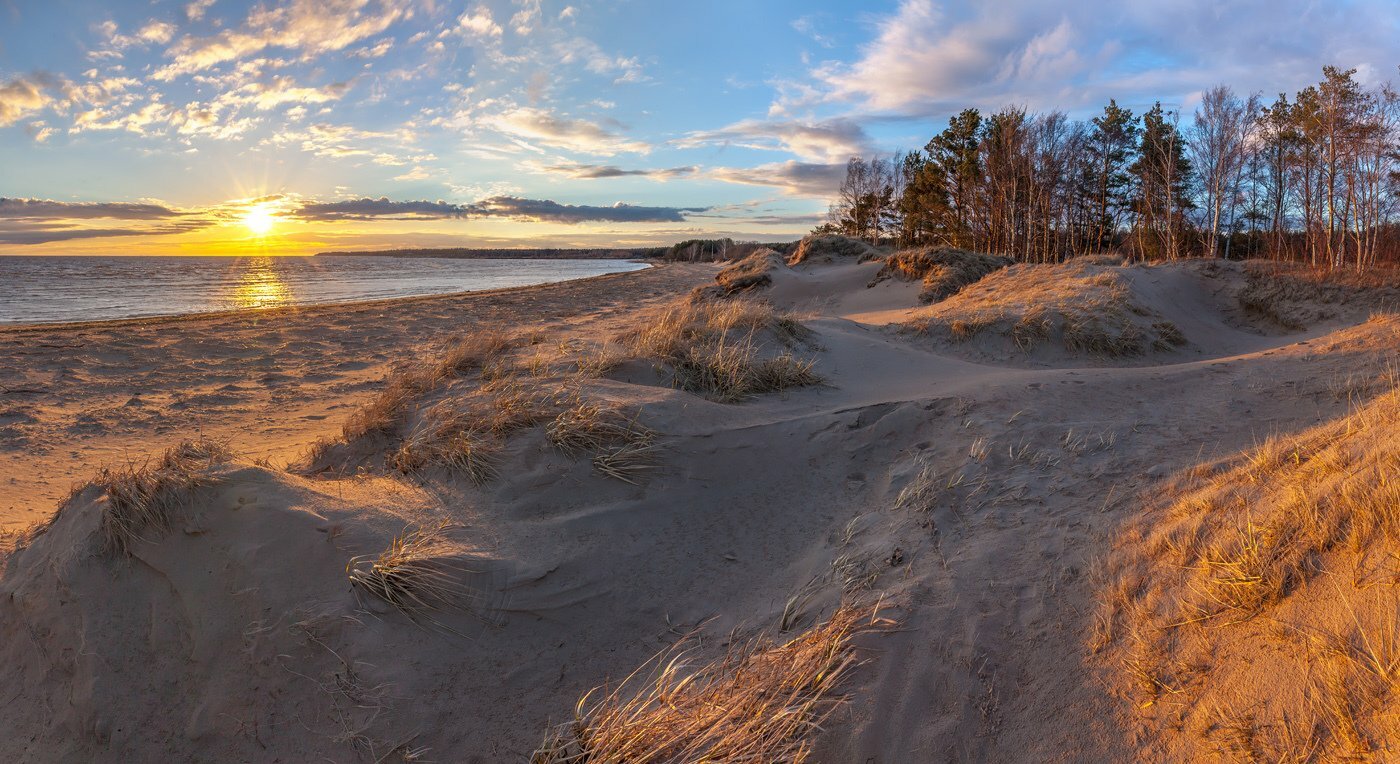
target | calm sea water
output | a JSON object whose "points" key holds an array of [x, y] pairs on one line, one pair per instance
{"points": [[49, 289]]}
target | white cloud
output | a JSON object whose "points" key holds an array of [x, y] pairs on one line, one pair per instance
{"points": [[23, 95], [826, 141], [547, 129], [479, 24], [311, 26], [817, 181]]}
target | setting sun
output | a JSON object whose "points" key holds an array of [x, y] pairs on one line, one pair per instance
{"points": [[259, 219]]}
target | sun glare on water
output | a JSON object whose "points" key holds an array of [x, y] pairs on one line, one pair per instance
{"points": [[259, 219]]}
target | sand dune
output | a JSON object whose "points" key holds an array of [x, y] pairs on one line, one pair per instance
{"points": [[629, 466]]}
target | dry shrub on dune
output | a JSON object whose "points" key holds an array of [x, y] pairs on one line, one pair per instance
{"points": [[944, 271], [758, 702], [149, 498], [1259, 602], [1089, 308], [752, 272], [831, 247], [1295, 296], [725, 350]]}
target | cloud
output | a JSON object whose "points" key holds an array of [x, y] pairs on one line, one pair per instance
{"points": [[513, 207], [818, 181], [37, 221], [554, 212], [825, 141], [929, 58], [599, 171], [195, 10], [24, 95], [479, 24], [311, 26], [547, 129], [48, 209], [280, 90]]}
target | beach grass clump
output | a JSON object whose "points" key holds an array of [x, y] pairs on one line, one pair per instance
{"points": [[752, 272], [943, 271], [452, 440], [726, 350], [479, 352], [621, 447], [1278, 565], [144, 499], [421, 572], [828, 248], [760, 701], [1090, 309]]}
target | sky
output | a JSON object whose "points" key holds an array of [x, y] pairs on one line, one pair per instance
{"points": [[297, 126]]}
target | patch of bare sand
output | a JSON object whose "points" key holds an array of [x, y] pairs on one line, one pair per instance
{"points": [[966, 502]]}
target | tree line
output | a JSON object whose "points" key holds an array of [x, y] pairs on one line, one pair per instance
{"points": [[1314, 179]]}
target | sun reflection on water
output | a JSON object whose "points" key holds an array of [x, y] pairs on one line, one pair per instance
{"points": [[260, 285]]}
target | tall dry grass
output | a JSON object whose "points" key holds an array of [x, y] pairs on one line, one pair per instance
{"points": [[1256, 610], [142, 500], [760, 701], [725, 350]]}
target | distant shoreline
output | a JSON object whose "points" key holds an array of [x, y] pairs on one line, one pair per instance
{"points": [[464, 253]]}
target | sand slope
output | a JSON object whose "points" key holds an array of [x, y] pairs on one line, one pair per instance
{"points": [[969, 489]]}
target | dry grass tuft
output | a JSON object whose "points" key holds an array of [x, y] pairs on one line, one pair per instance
{"points": [[421, 572], [759, 702], [478, 353], [449, 439], [1090, 309], [1280, 567], [829, 247], [944, 271], [148, 498], [726, 350]]}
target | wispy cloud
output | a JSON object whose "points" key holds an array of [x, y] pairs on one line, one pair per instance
{"points": [[805, 179], [830, 140], [548, 129], [308, 26], [513, 207], [600, 171]]}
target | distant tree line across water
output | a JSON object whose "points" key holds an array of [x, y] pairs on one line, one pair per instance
{"points": [[1315, 179]]}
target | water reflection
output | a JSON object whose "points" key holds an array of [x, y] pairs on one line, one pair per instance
{"points": [[260, 285]]}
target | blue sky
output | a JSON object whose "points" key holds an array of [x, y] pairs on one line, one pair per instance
{"points": [[153, 126]]}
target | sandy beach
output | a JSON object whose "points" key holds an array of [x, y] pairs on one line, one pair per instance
{"points": [[75, 397], [598, 471]]}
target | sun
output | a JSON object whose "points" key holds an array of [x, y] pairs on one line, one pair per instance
{"points": [[259, 219]]}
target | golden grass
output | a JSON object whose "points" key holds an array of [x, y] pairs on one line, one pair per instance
{"points": [[622, 447], [1282, 566], [148, 498], [419, 573], [752, 272], [449, 439], [725, 350], [829, 247], [760, 701], [942, 270], [1295, 296], [467, 354], [1090, 308]]}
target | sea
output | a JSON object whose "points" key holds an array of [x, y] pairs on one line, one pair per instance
{"points": [[94, 288]]}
